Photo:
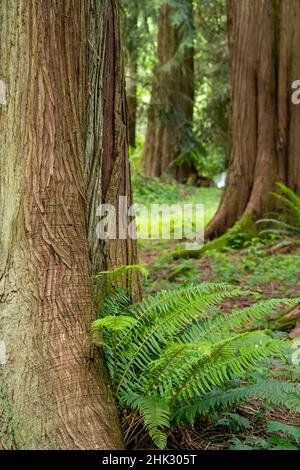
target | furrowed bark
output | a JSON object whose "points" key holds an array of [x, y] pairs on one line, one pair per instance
{"points": [[263, 37], [132, 99], [288, 113], [54, 389], [131, 38], [106, 153]]}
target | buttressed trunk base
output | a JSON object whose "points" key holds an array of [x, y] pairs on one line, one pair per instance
{"points": [[264, 40]]}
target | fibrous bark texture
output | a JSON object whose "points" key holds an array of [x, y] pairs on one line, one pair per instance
{"points": [[132, 101], [106, 149], [132, 40], [263, 39], [62, 149]]}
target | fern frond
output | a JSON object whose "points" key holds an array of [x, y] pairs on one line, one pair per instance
{"points": [[223, 324], [117, 303], [165, 301], [291, 199], [156, 416], [176, 346], [115, 323], [168, 320], [282, 225], [233, 357], [289, 224], [122, 269], [277, 393]]}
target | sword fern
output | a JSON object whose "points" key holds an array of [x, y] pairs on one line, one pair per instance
{"points": [[170, 355]]}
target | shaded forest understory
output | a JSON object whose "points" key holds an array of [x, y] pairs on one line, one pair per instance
{"points": [[121, 119], [267, 268]]}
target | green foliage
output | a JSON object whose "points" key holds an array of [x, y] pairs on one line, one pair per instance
{"points": [[241, 233], [253, 267], [139, 31], [177, 351], [164, 191], [184, 272], [208, 162], [280, 268], [153, 190], [224, 269], [291, 201], [283, 437], [276, 443], [236, 237], [289, 223], [277, 426], [254, 253], [236, 444], [114, 274], [276, 393], [149, 191], [122, 274], [115, 323], [212, 87], [234, 421], [135, 156], [206, 144]]}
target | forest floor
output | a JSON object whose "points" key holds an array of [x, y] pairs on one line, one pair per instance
{"points": [[267, 273]]}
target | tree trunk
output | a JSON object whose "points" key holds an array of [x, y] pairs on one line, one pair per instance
{"points": [[288, 113], [106, 152], [132, 99], [132, 40], [170, 119], [54, 391], [263, 40]]}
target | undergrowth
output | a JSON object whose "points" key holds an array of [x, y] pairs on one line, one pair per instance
{"points": [[174, 357]]}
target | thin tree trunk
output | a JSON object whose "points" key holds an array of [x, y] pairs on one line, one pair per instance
{"points": [[132, 99], [171, 109], [132, 40], [54, 392], [106, 153], [263, 38]]}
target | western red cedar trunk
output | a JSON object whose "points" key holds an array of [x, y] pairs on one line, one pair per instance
{"points": [[171, 108], [62, 68], [106, 152], [263, 38], [132, 47], [288, 113], [132, 99]]}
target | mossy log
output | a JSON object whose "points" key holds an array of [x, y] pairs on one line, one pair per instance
{"points": [[244, 230], [289, 321]]}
